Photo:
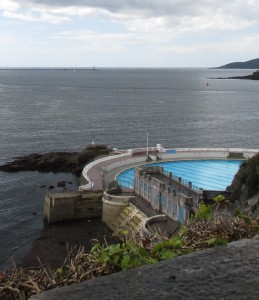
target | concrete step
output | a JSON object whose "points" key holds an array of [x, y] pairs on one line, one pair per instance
{"points": [[130, 219], [134, 220], [131, 216]]}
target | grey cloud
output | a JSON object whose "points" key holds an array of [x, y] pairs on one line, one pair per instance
{"points": [[154, 7], [175, 9], [114, 5]]}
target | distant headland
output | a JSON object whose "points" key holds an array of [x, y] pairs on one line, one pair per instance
{"points": [[250, 64], [254, 76]]}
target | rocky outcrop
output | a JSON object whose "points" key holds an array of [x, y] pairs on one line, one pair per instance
{"points": [[245, 184], [254, 76], [68, 162]]}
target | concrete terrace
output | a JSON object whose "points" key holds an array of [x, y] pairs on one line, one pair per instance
{"points": [[102, 171]]}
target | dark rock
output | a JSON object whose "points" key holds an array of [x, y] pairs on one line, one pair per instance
{"points": [[96, 147], [50, 246], [70, 162], [246, 182], [42, 237], [254, 76], [61, 183]]}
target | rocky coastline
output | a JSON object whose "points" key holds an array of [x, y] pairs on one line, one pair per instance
{"points": [[254, 76], [67, 162], [55, 241], [245, 186]]}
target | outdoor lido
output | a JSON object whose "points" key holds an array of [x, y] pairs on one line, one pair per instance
{"points": [[148, 190]]}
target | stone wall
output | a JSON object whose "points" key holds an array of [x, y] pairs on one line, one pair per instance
{"points": [[113, 204], [72, 205], [119, 214]]}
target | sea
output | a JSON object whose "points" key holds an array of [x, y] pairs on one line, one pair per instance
{"points": [[43, 110]]}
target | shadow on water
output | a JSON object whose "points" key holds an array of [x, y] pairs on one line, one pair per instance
{"points": [[21, 210]]}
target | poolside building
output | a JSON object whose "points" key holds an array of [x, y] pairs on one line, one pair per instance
{"points": [[166, 193]]}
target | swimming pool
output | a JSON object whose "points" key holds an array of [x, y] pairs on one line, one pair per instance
{"points": [[206, 174]]}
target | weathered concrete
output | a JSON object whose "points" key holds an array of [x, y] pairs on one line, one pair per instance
{"points": [[166, 193], [226, 272], [113, 204], [72, 205]]}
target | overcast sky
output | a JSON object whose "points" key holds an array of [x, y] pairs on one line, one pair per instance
{"points": [[127, 33]]}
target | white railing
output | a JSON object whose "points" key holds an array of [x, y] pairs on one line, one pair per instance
{"points": [[215, 150]]}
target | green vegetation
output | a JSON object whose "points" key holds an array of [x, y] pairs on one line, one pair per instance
{"points": [[204, 213], [121, 257], [205, 230], [220, 199]]}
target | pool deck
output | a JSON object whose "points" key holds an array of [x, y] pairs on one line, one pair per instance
{"points": [[94, 173], [98, 172]]}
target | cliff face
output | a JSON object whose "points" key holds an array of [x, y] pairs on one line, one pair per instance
{"points": [[70, 162], [246, 182]]}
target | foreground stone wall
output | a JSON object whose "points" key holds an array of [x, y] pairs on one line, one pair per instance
{"points": [[225, 272]]}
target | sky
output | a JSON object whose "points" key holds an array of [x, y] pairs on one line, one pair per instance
{"points": [[127, 33]]}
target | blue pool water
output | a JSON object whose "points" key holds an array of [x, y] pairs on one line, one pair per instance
{"points": [[206, 174]]}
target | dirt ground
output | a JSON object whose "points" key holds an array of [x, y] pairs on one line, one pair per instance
{"points": [[52, 245]]}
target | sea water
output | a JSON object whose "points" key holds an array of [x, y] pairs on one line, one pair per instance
{"points": [[63, 110]]}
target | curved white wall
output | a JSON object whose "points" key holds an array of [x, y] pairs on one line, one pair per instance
{"points": [[127, 158]]}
